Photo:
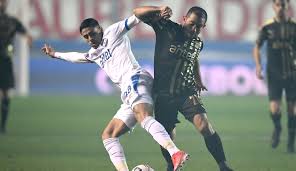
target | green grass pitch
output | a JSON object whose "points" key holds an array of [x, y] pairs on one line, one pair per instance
{"points": [[62, 133]]}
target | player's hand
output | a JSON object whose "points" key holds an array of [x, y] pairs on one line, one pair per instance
{"points": [[165, 12], [259, 73], [201, 88], [48, 50]]}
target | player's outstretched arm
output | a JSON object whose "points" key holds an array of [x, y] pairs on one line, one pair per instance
{"points": [[153, 13], [69, 56]]}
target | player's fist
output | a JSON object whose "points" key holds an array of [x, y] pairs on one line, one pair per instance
{"points": [[48, 50], [259, 73], [165, 12]]}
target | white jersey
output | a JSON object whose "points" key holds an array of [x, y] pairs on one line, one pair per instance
{"points": [[114, 55]]}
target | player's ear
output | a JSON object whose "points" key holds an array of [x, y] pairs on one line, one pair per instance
{"points": [[184, 18]]}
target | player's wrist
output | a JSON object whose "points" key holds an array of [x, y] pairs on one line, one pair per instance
{"points": [[53, 54]]}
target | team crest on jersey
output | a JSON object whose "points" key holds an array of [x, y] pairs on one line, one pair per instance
{"points": [[104, 42], [270, 34]]}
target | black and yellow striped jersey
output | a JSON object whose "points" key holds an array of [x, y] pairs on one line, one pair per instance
{"points": [[9, 26], [281, 47], [175, 58]]}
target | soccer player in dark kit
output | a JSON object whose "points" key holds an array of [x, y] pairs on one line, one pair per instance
{"points": [[177, 79], [9, 26], [280, 35]]}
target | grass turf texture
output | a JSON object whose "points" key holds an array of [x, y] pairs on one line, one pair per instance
{"points": [[62, 133]]}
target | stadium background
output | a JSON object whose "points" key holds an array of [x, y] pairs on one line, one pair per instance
{"points": [[229, 36], [57, 126]]}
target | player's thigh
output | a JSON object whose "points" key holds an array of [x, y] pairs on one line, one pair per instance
{"points": [[137, 89], [142, 110], [115, 128], [290, 88], [194, 111], [6, 74], [166, 111], [275, 89], [126, 115], [191, 107]]}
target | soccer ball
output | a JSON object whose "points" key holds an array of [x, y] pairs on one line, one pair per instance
{"points": [[143, 167]]}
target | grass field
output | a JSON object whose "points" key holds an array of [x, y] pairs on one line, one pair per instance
{"points": [[58, 133]]}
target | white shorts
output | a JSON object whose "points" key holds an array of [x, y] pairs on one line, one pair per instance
{"points": [[136, 90]]}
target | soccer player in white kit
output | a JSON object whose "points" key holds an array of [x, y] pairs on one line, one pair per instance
{"points": [[111, 50]]}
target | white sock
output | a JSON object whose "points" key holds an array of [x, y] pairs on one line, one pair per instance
{"points": [[116, 153], [159, 134]]}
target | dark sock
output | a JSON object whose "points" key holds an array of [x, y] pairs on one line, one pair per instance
{"points": [[4, 112], [291, 129], [276, 118], [167, 157], [215, 147]]}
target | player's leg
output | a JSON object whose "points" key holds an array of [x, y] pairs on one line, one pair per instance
{"points": [[138, 95], [291, 109], [122, 122], [194, 111], [5, 101], [144, 115], [291, 126], [6, 82], [166, 154], [166, 111], [275, 95]]}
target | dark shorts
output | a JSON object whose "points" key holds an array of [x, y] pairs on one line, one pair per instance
{"points": [[167, 107], [6, 74], [276, 87]]}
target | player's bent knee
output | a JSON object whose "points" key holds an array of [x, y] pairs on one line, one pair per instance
{"points": [[291, 108], [207, 130], [142, 111], [275, 107], [203, 126], [109, 134], [114, 131]]}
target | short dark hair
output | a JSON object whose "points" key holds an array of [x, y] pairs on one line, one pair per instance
{"points": [[198, 11], [89, 22]]}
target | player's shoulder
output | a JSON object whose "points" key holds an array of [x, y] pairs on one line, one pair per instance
{"points": [[167, 23], [292, 20], [268, 22], [10, 17]]}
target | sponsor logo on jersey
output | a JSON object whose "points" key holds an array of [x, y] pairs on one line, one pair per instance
{"points": [[178, 50], [105, 56]]}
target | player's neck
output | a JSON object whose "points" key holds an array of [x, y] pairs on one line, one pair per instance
{"points": [[281, 18]]}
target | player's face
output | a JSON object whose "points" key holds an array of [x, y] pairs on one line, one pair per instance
{"points": [[93, 36], [193, 24], [280, 7], [3, 4]]}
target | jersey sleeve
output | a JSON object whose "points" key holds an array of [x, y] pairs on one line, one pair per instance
{"points": [[19, 27], [262, 36], [160, 25], [74, 57], [125, 25]]}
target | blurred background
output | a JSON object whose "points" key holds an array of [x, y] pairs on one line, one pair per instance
{"points": [[57, 126], [229, 37]]}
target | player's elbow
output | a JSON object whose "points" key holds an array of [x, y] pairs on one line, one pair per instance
{"points": [[137, 13]]}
